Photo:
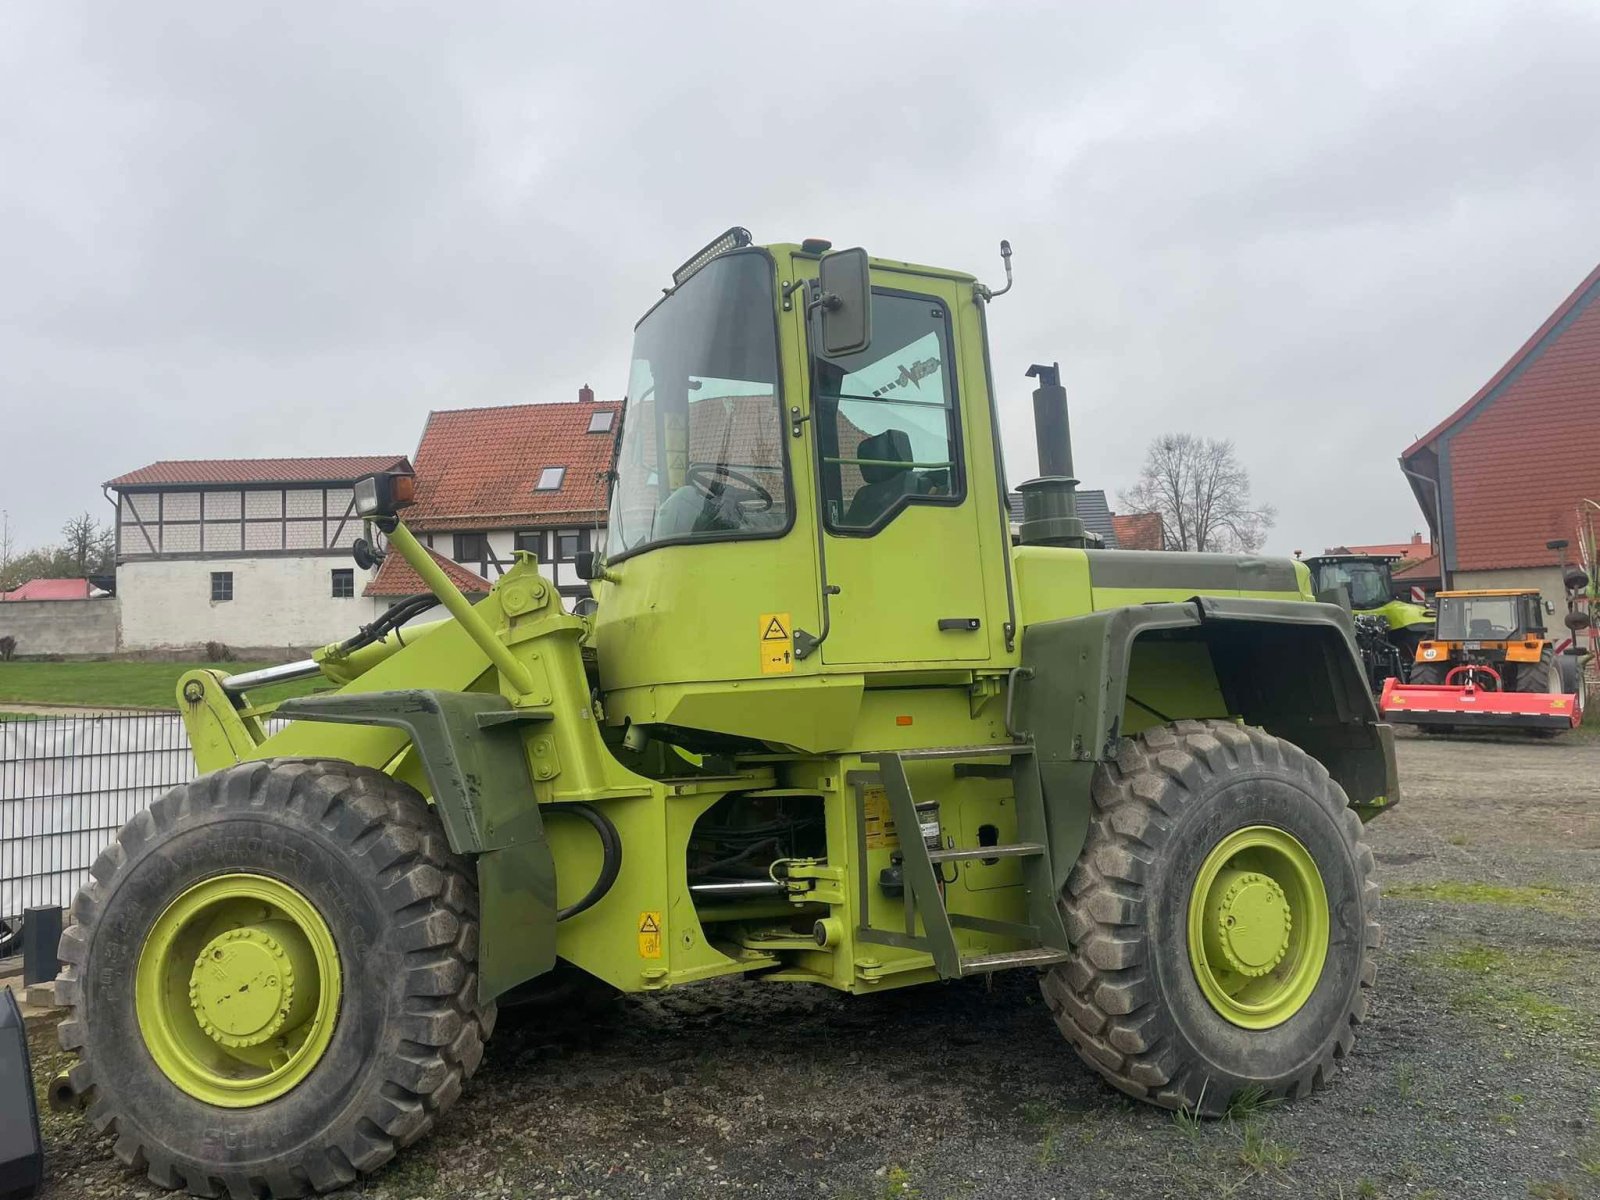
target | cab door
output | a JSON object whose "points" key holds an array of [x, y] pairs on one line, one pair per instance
{"points": [[900, 527]]}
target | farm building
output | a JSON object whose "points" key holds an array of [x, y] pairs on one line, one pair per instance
{"points": [[246, 552], [491, 481], [1506, 473]]}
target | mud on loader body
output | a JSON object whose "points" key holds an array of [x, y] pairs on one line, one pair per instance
{"points": [[824, 724]]}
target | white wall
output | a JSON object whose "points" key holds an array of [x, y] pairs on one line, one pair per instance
{"points": [[282, 600], [502, 545]]}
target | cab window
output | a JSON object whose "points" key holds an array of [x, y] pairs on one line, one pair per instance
{"points": [[886, 418]]}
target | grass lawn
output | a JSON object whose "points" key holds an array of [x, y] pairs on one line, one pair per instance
{"points": [[116, 684]]}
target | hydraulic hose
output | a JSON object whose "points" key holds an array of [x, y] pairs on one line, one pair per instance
{"points": [[610, 863]]}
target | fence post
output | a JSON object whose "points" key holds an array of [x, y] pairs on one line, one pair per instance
{"points": [[41, 935]]}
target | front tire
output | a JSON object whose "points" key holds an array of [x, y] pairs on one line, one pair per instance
{"points": [[1221, 919], [330, 891], [1428, 672]]}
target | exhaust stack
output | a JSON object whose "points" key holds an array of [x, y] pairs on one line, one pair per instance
{"points": [[1050, 502]]}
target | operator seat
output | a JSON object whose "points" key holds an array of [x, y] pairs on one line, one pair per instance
{"points": [[886, 480]]}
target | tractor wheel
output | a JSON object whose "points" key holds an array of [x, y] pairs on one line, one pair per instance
{"points": [[1221, 918], [272, 980], [1543, 676], [1429, 672]]}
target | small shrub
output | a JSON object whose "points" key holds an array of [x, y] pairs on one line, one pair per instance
{"points": [[218, 652], [8, 648]]}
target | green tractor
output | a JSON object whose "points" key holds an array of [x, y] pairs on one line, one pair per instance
{"points": [[825, 722], [1368, 580]]}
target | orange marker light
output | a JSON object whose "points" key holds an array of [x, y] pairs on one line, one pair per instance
{"points": [[902, 720]]}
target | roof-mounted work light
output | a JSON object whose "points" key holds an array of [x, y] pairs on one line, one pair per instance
{"points": [[736, 237], [384, 494]]}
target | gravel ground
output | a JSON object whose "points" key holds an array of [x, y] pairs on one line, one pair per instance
{"points": [[1478, 1074]]}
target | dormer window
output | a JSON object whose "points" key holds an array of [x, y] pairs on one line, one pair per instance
{"points": [[600, 422], [550, 479]]}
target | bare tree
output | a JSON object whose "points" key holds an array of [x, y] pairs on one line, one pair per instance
{"points": [[1202, 493], [87, 545]]}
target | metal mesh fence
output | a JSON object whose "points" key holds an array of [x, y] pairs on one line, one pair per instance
{"points": [[67, 784]]}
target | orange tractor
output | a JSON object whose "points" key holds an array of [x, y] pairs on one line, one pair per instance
{"points": [[1490, 663]]}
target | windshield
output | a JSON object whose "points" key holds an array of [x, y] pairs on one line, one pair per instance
{"points": [[1368, 582], [1481, 618], [702, 437]]}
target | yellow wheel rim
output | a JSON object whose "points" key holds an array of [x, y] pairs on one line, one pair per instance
{"points": [[237, 990], [1258, 927]]}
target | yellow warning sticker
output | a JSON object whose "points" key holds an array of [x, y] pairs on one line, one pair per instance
{"points": [[649, 935], [877, 819], [777, 644]]}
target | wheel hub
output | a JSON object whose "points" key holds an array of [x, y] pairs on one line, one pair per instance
{"points": [[1259, 926], [1248, 922], [242, 989], [237, 989]]}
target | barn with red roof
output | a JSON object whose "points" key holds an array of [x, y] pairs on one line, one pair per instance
{"points": [[1503, 476]]}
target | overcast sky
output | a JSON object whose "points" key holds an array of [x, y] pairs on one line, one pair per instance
{"points": [[296, 231]]}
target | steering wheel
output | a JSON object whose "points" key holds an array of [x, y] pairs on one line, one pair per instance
{"points": [[715, 481]]}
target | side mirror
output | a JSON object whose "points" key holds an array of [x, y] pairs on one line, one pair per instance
{"points": [[585, 564], [845, 298], [1549, 606]]}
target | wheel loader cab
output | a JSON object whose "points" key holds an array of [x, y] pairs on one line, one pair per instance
{"points": [[781, 514]]}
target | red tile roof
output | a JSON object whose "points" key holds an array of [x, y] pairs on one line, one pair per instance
{"points": [[1415, 549], [476, 467], [396, 578], [1422, 568], [1515, 361], [1138, 531], [50, 589], [260, 470], [1525, 458]]}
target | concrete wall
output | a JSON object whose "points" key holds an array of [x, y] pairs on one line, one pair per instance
{"points": [[61, 626], [282, 600]]}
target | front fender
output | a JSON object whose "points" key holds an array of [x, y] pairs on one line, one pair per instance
{"points": [[1288, 666], [471, 746]]}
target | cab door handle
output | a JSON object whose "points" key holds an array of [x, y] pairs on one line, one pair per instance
{"points": [[959, 624]]}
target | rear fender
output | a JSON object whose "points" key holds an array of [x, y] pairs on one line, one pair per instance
{"points": [[1287, 666]]}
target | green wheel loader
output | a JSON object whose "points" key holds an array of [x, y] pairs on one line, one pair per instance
{"points": [[824, 722]]}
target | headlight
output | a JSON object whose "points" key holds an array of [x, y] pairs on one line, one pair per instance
{"points": [[367, 498], [381, 495]]}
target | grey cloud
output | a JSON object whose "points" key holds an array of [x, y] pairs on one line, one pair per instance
{"points": [[292, 230]]}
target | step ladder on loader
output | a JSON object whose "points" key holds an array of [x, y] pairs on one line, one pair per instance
{"points": [[1043, 931]]}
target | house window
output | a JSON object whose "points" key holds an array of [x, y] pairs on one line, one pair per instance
{"points": [[344, 583], [532, 541], [221, 586], [550, 479], [600, 422], [569, 542], [471, 547]]}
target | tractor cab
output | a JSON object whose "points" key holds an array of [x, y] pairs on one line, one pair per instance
{"points": [[1489, 616], [1366, 578]]}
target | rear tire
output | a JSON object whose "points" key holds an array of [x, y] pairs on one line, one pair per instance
{"points": [[1542, 677], [358, 860], [1133, 999]]}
